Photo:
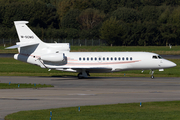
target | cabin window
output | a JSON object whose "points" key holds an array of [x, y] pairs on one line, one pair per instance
{"points": [[99, 58], [88, 59], [79, 59], [107, 58], [123, 58], [130, 58], [115, 58], [127, 58], [119, 58], [103, 58], [84, 59], [111, 58], [154, 57], [95, 58], [91, 58]]}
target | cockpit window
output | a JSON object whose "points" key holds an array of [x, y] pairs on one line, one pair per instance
{"points": [[159, 57], [154, 57]]}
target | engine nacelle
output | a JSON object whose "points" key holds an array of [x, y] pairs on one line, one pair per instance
{"points": [[54, 57]]}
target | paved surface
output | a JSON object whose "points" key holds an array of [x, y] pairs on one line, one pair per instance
{"points": [[70, 91]]}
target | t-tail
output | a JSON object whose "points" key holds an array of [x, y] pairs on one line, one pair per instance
{"points": [[25, 35]]}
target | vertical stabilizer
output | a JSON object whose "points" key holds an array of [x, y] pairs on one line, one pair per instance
{"points": [[25, 34]]}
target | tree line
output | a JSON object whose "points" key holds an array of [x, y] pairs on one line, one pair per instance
{"points": [[118, 22]]}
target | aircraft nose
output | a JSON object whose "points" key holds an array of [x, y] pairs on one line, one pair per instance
{"points": [[174, 64], [171, 64]]}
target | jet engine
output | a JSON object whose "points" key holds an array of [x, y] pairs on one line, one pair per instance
{"points": [[53, 57]]}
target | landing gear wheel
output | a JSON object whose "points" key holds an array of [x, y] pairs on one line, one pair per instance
{"points": [[80, 76], [152, 77]]}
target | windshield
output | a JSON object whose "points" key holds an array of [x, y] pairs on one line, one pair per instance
{"points": [[157, 57]]}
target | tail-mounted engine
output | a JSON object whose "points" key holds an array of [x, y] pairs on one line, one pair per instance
{"points": [[53, 57]]}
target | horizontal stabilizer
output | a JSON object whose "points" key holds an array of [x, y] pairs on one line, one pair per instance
{"points": [[21, 45]]}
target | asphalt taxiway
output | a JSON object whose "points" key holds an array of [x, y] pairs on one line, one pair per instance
{"points": [[70, 91]]}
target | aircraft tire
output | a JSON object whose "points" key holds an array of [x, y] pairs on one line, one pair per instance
{"points": [[80, 76], [152, 77]]}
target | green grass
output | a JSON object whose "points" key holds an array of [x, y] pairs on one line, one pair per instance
{"points": [[15, 86], [156, 49], [11, 67], [131, 111]]}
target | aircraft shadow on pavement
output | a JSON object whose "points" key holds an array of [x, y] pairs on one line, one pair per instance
{"points": [[71, 77]]}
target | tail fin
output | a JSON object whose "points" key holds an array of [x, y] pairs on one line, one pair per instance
{"points": [[25, 34]]}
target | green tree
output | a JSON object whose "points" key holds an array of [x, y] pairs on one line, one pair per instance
{"points": [[168, 32], [172, 2], [127, 15], [90, 18], [64, 6], [72, 33], [153, 2], [163, 18], [70, 19], [151, 13], [112, 31]]}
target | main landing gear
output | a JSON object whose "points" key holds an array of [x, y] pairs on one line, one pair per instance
{"points": [[152, 72], [83, 74]]}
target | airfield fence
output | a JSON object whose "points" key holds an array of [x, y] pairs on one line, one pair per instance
{"points": [[73, 42]]}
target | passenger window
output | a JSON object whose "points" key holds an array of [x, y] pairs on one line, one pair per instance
{"points": [[115, 58], [123, 58], [103, 58], [130, 58], [79, 59], [88, 59], [127, 58], [111, 58], [107, 58], [95, 58], [91, 58], [99, 58], [119, 58], [154, 57], [83, 58]]}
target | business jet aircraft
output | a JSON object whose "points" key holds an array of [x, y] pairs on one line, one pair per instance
{"points": [[58, 56]]}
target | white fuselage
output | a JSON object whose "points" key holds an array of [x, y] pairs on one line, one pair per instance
{"points": [[101, 61]]}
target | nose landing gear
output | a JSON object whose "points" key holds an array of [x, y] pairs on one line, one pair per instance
{"points": [[152, 72]]}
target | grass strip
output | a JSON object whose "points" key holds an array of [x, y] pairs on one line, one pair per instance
{"points": [[17, 86], [131, 111]]}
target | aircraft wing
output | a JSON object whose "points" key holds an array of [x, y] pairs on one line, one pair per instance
{"points": [[90, 69], [99, 68]]}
